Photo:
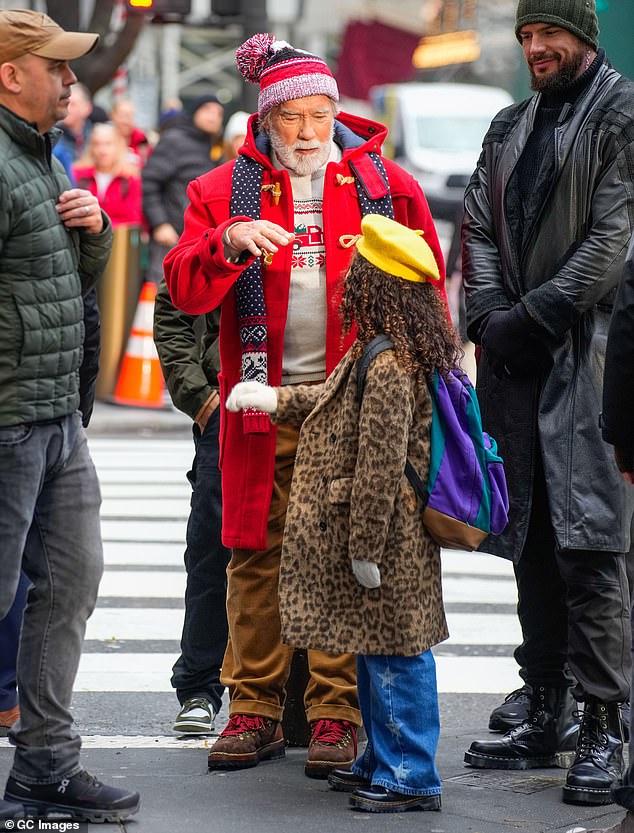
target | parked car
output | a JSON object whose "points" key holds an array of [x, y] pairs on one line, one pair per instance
{"points": [[436, 133]]}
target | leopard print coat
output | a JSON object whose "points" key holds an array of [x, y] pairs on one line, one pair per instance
{"points": [[350, 499]]}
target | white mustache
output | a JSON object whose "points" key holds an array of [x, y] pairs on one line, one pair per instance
{"points": [[305, 145]]}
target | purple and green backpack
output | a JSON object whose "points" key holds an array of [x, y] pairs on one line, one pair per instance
{"points": [[465, 498]]}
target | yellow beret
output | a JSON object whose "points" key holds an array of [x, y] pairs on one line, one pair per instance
{"points": [[396, 249]]}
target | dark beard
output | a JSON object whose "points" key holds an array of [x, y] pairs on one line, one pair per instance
{"points": [[568, 72]]}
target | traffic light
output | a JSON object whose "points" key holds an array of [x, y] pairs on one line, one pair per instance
{"points": [[165, 9]]}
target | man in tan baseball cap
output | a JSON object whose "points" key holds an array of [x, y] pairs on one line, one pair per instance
{"points": [[55, 243], [24, 32]]}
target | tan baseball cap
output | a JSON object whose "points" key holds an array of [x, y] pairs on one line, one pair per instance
{"points": [[23, 32]]}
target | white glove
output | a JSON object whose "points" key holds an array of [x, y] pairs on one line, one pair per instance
{"points": [[367, 573], [252, 395]]}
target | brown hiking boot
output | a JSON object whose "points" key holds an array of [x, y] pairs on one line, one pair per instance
{"points": [[245, 741], [8, 718], [333, 745]]}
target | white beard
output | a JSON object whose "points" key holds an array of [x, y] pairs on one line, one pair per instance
{"points": [[295, 162]]}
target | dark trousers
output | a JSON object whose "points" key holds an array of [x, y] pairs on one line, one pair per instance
{"points": [[624, 793], [9, 640], [196, 673], [574, 611]]}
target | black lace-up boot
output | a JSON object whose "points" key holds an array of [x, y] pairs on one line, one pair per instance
{"points": [[598, 762], [549, 730]]}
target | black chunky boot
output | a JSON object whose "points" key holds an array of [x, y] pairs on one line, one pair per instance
{"points": [[549, 732], [598, 762]]}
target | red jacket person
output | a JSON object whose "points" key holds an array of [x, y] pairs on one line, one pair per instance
{"points": [[303, 166]]}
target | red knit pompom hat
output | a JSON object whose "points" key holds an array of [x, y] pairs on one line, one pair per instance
{"points": [[284, 73]]}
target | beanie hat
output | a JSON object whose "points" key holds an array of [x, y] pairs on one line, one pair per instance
{"points": [[200, 101], [236, 126], [577, 16], [396, 249], [284, 73]]}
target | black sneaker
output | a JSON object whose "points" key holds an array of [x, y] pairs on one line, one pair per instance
{"points": [[82, 796]]}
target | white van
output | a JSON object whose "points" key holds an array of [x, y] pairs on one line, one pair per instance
{"points": [[436, 133]]}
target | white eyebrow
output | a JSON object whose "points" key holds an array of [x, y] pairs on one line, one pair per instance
{"points": [[286, 112]]}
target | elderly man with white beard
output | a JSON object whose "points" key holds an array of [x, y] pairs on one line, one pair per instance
{"points": [[268, 238]]}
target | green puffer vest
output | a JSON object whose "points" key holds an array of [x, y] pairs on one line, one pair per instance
{"points": [[44, 270]]}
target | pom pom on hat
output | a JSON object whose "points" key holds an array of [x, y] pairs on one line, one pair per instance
{"points": [[284, 73], [252, 55], [397, 250]]}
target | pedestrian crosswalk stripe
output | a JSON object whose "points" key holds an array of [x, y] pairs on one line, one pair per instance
{"points": [[132, 476], [172, 584], [456, 562], [144, 530], [156, 585], [151, 673], [145, 492], [162, 508], [140, 742], [142, 553], [166, 624]]}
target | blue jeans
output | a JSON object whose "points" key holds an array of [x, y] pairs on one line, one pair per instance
{"points": [[399, 705], [196, 672], [49, 527]]}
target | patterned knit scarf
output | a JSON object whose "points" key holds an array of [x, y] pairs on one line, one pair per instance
{"points": [[246, 190]]}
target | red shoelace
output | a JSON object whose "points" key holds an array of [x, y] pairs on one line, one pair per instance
{"points": [[333, 731], [239, 723]]}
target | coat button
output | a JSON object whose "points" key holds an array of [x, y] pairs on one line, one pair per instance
{"points": [[323, 526]]}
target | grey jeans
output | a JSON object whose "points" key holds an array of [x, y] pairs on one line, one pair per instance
{"points": [[49, 527]]}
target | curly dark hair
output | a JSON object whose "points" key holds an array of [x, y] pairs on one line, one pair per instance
{"points": [[413, 315]]}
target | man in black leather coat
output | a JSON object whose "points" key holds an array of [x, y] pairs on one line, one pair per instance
{"points": [[549, 214]]}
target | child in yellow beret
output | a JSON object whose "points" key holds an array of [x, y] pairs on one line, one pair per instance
{"points": [[359, 571]]}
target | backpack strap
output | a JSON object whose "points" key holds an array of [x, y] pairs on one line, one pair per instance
{"points": [[370, 352], [416, 483]]}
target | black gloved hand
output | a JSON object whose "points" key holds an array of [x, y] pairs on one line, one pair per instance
{"points": [[508, 335], [534, 358]]}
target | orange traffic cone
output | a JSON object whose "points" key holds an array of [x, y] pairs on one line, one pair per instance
{"points": [[140, 380]]}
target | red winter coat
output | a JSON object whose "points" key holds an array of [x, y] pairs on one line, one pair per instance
{"points": [[122, 200], [200, 278]]}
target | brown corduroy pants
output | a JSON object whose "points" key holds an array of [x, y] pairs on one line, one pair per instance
{"points": [[256, 664]]}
